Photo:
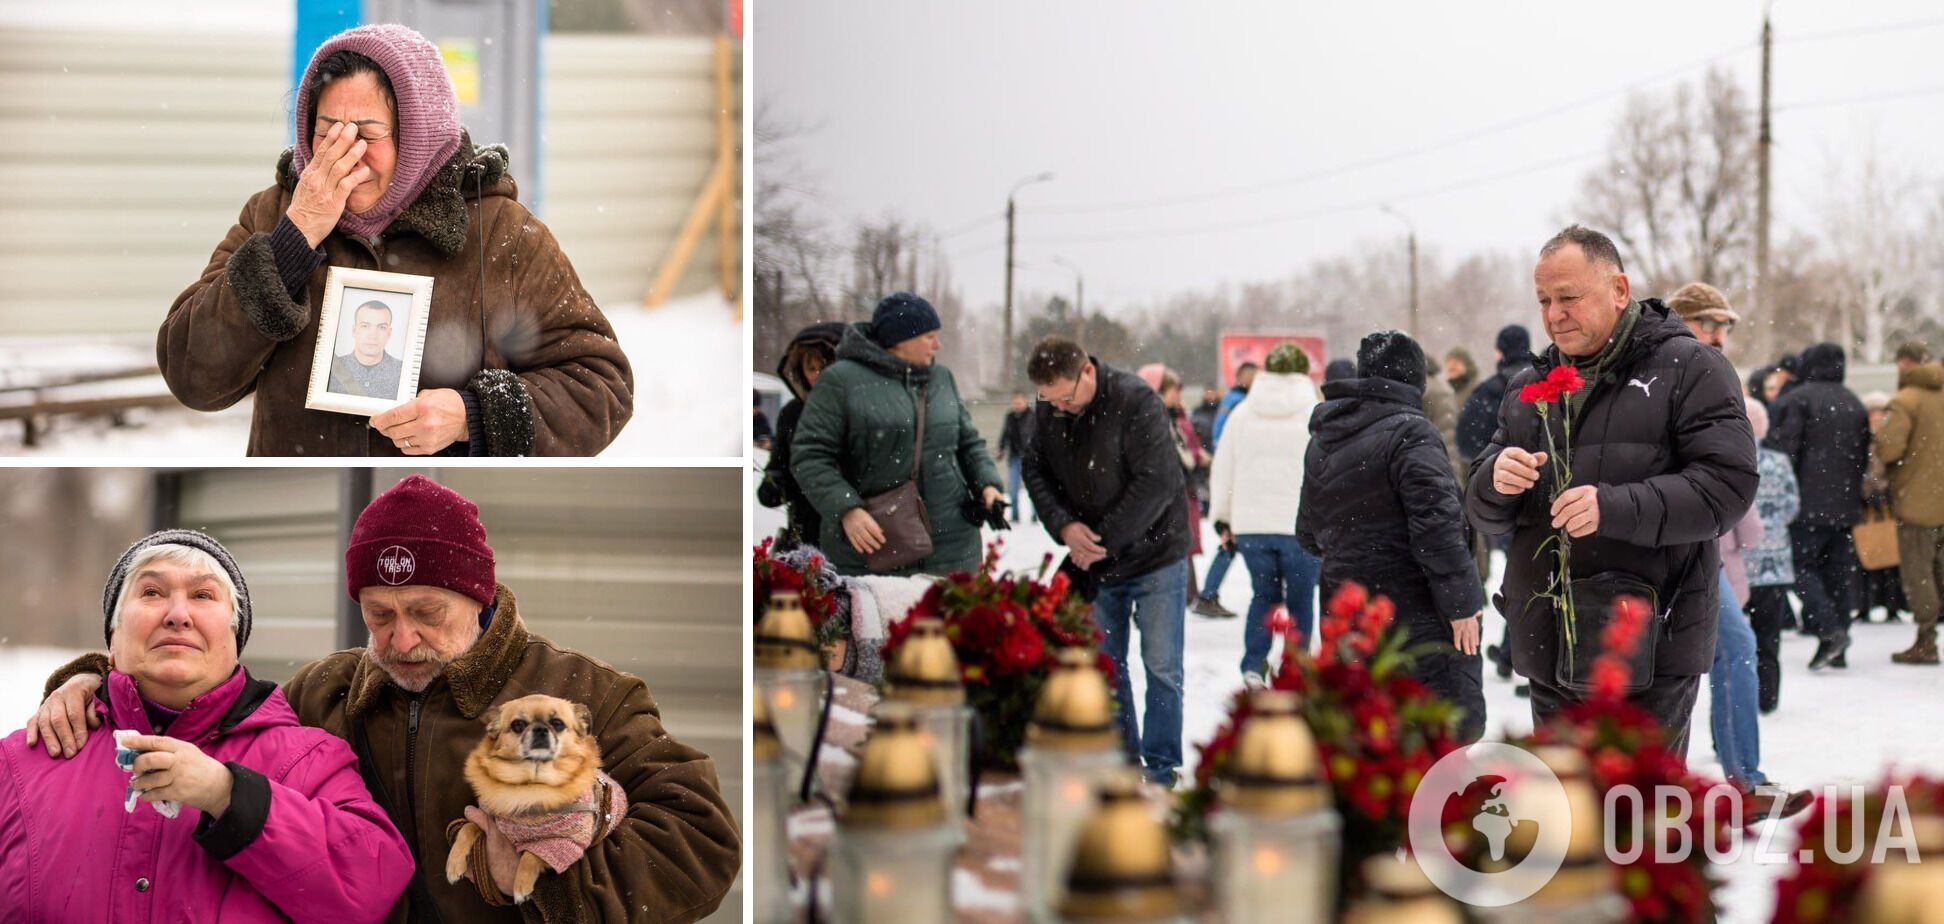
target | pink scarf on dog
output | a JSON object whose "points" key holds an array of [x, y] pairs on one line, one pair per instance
{"points": [[561, 836]]}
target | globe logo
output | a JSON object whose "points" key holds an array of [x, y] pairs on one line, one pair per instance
{"points": [[1499, 792]]}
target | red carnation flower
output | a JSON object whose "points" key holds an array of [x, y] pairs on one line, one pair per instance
{"points": [[1540, 392], [1565, 380], [1022, 649]]}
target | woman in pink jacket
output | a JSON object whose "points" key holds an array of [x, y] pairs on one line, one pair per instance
{"points": [[271, 820]]}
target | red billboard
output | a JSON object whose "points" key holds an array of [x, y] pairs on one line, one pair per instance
{"points": [[1253, 347]]}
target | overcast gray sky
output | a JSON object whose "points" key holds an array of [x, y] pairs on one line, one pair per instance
{"points": [[933, 110]]}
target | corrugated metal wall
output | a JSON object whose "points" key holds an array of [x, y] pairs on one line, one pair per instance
{"points": [[129, 155]]}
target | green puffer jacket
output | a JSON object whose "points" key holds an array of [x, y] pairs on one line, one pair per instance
{"points": [[855, 439]]}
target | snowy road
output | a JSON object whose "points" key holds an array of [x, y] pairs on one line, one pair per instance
{"points": [[1841, 727], [689, 396]]}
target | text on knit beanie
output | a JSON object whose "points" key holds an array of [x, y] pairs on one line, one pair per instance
{"points": [[420, 533], [187, 537], [427, 133]]}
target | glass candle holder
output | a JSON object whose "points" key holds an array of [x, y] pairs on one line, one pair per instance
{"points": [[794, 697], [893, 877], [948, 730], [768, 849], [1279, 868], [1059, 798]]}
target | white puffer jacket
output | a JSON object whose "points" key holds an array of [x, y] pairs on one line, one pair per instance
{"points": [[1257, 483]]}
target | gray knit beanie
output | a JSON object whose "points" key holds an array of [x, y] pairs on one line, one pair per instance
{"points": [[194, 540]]}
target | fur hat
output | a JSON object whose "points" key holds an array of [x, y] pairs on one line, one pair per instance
{"points": [[1391, 354]]}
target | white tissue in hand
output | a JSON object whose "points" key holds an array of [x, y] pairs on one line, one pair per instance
{"points": [[125, 759]]}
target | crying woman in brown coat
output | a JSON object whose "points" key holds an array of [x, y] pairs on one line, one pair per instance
{"points": [[518, 359]]}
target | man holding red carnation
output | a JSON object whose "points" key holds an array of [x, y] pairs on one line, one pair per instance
{"points": [[1649, 423]]}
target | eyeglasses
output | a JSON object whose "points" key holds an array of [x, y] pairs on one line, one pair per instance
{"points": [[1712, 325], [1065, 402], [370, 131]]}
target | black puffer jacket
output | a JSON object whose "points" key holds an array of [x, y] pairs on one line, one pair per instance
{"points": [[779, 486], [1478, 420], [1380, 506], [1824, 430], [1666, 438], [1114, 468]]}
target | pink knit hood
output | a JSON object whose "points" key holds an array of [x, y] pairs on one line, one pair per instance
{"points": [[428, 115]]}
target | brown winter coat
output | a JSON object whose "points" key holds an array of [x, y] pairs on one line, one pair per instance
{"points": [[672, 859], [1911, 445], [510, 323]]}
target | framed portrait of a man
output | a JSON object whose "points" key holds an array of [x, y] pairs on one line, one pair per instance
{"points": [[370, 340]]}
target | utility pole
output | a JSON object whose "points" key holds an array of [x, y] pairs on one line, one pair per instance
{"points": [[1079, 298], [1411, 248], [1762, 144], [1007, 348]]}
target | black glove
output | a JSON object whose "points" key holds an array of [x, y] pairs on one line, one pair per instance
{"points": [[995, 516]]}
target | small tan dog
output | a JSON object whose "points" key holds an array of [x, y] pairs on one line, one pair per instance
{"points": [[537, 773]]}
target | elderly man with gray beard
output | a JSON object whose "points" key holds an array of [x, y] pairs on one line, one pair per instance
{"points": [[447, 645]]}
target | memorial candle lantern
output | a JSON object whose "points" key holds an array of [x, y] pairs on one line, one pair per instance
{"points": [[891, 858], [1398, 892], [769, 844], [924, 674], [1122, 869], [1275, 833], [1583, 889], [792, 682], [1072, 744], [1902, 892]]}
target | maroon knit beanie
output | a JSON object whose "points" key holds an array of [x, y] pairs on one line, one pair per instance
{"points": [[428, 115], [421, 533]]}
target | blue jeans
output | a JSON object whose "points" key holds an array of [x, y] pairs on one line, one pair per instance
{"points": [[1156, 603], [1733, 693], [1015, 468], [1281, 572], [1211, 588]]}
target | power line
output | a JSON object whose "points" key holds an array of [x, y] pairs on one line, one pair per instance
{"points": [[971, 226], [1891, 96], [1323, 212], [1394, 156], [1909, 25]]}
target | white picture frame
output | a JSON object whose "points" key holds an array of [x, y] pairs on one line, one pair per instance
{"points": [[349, 326]]}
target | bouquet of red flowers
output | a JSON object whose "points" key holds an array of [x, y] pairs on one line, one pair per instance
{"points": [[1625, 746], [1378, 730], [1007, 630], [819, 588], [1558, 384], [1840, 837]]}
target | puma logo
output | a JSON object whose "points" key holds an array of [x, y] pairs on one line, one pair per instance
{"points": [[1646, 388]]}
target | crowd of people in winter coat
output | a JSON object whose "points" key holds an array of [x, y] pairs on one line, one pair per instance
{"points": [[1662, 473]]}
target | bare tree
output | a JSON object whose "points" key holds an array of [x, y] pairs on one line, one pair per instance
{"points": [[1677, 190], [1875, 232]]}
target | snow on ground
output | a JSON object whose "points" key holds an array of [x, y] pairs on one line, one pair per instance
{"points": [[1834, 728], [689, 393], [25, 669]]}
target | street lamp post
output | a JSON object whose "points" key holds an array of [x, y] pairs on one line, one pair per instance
{"points": [[1008, 345], [1079, 297], [1412, 243]]}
